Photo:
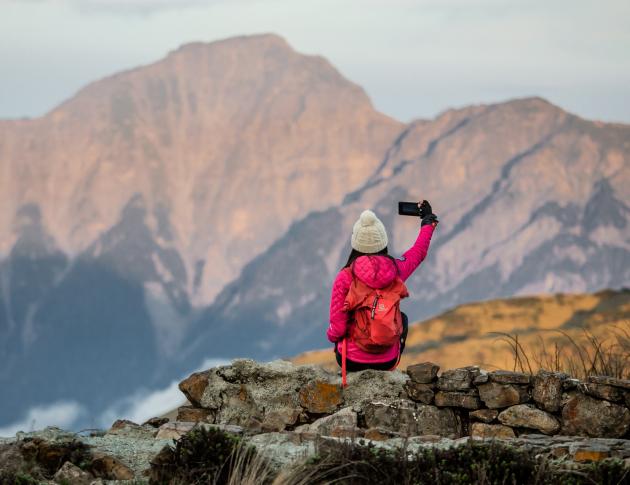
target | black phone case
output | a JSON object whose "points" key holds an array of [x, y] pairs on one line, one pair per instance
{"points": [[408, 209]]}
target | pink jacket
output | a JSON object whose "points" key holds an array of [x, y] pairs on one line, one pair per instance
{"points": [[376, 272]]}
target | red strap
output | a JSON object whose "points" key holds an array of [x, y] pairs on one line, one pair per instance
{"points": [[344, 353]]}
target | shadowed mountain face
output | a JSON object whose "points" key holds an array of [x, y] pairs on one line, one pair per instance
{"points": [[201, 206]]}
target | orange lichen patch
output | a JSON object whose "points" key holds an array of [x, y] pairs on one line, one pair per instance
{"points": [[194, 386], [590, 455], [320, 397]]}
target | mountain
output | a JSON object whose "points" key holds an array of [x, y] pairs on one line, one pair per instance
{"points": [[472, 334], [127, 208], [531, 200], [200, 207]]}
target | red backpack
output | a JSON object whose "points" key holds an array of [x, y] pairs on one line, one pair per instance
{"points": [[376, 322]]}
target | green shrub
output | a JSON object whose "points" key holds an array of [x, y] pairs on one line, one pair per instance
{"points": [[203, 456]]}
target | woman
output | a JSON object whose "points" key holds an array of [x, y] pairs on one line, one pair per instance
{"points": [[371, 267]]}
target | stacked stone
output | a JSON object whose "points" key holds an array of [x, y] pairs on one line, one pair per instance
{"points": [[468, 401], [502, 404]]}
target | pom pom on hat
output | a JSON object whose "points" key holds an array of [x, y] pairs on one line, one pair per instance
{"points": [[368, 234]]}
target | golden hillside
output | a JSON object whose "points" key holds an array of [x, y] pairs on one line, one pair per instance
{"points": [[471, 334]]}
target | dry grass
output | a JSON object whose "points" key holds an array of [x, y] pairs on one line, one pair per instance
{"points": [[579, 356]]}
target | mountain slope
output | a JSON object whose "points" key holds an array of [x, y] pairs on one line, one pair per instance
{"points": [[129, 207], [531, 200], [469, 334]]}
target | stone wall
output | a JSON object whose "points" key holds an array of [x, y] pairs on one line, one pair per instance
{"points": [[378, 405]]}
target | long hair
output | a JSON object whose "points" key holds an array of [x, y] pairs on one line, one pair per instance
{"points": [[354, 254]]}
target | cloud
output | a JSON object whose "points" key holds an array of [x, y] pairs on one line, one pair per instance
{"points": [[63, 414], [142, 7]]}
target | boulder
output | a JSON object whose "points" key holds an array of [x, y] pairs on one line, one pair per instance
{"points": [[320, 397], [483, 430], [457, 379], [411, 419], [466, 400], [380, 434], [249, 392], [70, 473], [604, 391], [586, 416], [610, 381], [195, 386], [324, 426], [174, 430], [123, 427], [528, 416], [547, 390], [371, 385], [423, 373], [420, 392], [496, 395], [484, 415], [110, 468], [509, 377], [155, 422], [194, 415]]}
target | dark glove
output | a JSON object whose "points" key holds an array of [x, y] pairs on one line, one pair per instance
{"points": [[430, 219], [425, 209]]}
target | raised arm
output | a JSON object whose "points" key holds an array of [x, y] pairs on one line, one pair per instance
{"points": [[339, 318], [412, 258]]}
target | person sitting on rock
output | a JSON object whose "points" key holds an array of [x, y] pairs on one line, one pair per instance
{"points": [[365, 316]]}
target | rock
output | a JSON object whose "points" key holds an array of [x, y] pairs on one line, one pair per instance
{"points": [[371, 385], [570, 384], [380, 434], [110, 468], [466, 400], [174, 430], [509, 377], [246, 391], [586, 416], [155, 422], [420, 392], [70, 473], [457, 379], [590, 454], [527, 416], [423, 373], [123, 427], [483, 430], [279, 419], [320, 397], [194, 415], [547, 390], [610, 381], [282, 448], [351, 432], [324, 426], [481, 378], [496, 395], [194, 387], [604, 391], [411, 419], [485, 415], [399, 416]]}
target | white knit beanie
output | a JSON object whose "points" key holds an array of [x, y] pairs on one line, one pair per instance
{"points": [[368, 234]]}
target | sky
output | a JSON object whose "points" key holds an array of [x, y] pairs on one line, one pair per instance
{"points": [[415, 58]]}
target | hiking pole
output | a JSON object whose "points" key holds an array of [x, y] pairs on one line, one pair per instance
{"points": [[344, 353]]}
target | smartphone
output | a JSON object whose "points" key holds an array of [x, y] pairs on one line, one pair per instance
{"points": [[408, 209]]}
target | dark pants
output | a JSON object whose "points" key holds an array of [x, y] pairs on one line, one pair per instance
{"points": [[352, 366]]}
